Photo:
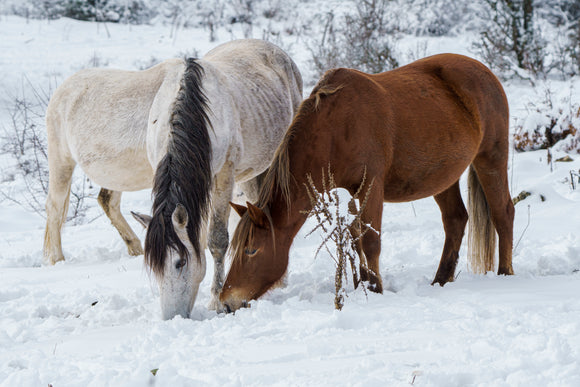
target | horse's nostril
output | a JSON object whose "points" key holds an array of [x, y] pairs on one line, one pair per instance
{"points": [[244, 304], [228, 309]]}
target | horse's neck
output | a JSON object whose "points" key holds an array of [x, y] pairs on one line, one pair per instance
{"points": [[289, 216], [303, 162]]}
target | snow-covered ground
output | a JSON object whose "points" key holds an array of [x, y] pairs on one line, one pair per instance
{"points": [[94, 320]]}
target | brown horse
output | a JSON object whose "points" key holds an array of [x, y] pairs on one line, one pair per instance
{"points": [[414, 130]]}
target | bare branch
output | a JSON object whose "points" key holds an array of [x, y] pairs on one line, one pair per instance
{"points": [[24, 142]]}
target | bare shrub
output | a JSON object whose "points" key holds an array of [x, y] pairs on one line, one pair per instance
{"points": [[24, 142], [336, 218], [211, 14], [548, 123], [328, 53], [243, 14], [192, 53], [369, 35], [565, 16], [574, 47], [146, 63], [511, 43], [440, 17], [25, 179], [363, 40], [116, 11], [96, 60]]}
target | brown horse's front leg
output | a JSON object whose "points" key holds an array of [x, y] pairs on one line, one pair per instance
{"points": [[370, 227], [371, 244], [454, 216], [356, 245]]}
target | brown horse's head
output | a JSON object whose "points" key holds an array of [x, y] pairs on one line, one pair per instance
{"points": [[259, 260], [260, 245]]}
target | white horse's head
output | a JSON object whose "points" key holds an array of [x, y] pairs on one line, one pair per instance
{"points": [[180, 149], [179, 269]]}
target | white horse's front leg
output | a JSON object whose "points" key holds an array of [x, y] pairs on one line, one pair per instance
{"points": [[218, 229]]}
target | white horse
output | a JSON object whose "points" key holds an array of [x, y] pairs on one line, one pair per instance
{"points": [[189, 128]]}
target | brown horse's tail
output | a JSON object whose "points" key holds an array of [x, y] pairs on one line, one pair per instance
{"points": [[482, 239]]}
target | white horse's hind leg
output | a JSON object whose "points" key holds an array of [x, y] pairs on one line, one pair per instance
{"points": [[110, 202], [218, 229], [59, 182]]}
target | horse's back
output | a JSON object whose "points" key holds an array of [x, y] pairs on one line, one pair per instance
{"points": [[255, 64], [451, 77], [471, 82], [264, 87], [421, 125], [107, 95], [474, 93], [252, 52], [98, 118]]}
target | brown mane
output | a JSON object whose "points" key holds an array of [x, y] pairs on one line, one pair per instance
{"points": [[278, 176]]}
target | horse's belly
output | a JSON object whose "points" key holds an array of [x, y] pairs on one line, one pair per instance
{"points": [[128, 171], [243, 175], [403, 185]]}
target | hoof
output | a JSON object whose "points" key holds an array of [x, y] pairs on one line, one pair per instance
{"points": [[505, 271], [375, 287], [439, 282], [135, 249], [442, 281], [374, 282], [52, 260]]}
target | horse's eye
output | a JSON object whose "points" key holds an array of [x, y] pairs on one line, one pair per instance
{"points": [[179, 264], [251, 252]]}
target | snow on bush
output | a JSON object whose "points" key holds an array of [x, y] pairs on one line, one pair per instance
{"points": [[552, 123]]}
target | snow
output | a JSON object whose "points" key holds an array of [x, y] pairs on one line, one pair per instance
{"points": [[94, 320]]}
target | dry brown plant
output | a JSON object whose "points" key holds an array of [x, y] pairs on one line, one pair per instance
{"points": [[342, 230]]}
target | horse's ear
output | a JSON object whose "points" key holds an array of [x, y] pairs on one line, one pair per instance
{"points": [[241, 210], [144, 220], [258, 216], [179, 218]]}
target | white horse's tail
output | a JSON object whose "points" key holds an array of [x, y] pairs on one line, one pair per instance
{"points": [[482, 237]]}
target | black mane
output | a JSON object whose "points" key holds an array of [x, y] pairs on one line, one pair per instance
{"points": [[184, 175]]}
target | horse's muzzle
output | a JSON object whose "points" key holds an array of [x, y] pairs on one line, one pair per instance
{"points": [[232, 306]]}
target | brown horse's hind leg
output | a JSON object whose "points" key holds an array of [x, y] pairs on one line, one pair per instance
{"points": [[492, 175], [454, 216], [110, 202]]}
